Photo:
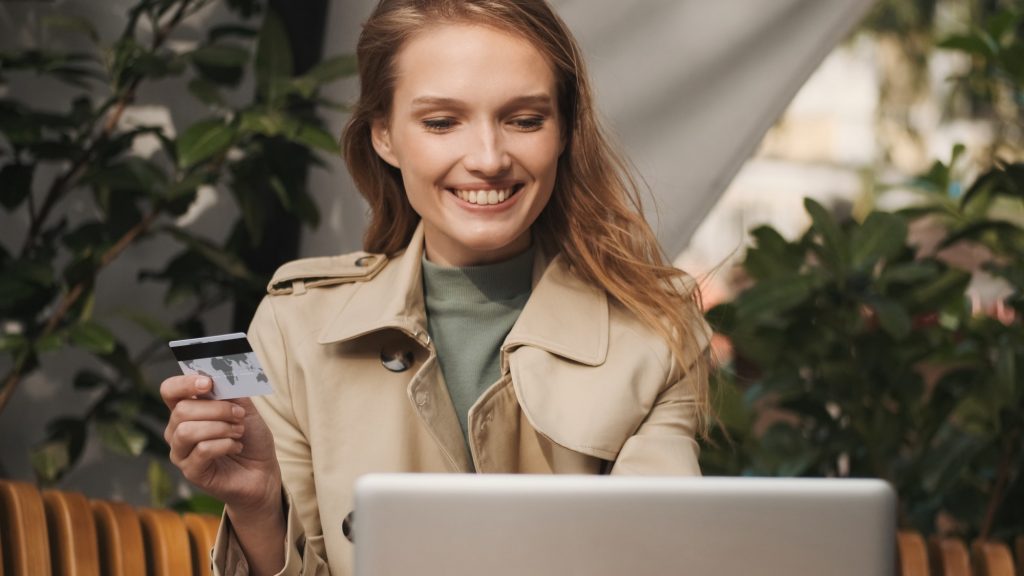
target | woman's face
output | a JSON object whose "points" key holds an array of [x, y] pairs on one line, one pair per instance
{"points": [[474, 129]]}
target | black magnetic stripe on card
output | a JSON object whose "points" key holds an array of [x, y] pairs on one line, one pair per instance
{"points": [[211, 349]]}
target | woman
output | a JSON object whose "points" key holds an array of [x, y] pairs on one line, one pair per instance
{"points": [[512, 312]]}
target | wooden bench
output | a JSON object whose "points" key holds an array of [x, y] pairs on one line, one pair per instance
{"points": [[64, 534], [54, 533]]}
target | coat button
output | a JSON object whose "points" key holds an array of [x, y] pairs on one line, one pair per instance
{"points": [[364, 261], [421, 398], [396, 360], [347, 526]]}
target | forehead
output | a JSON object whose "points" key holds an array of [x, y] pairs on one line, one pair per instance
{"points": [[470, 61]]}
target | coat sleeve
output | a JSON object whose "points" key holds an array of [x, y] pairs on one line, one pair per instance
{"points": [[303, 545], [665, 442]]}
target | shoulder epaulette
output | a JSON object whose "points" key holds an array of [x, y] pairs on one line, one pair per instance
{"points": [[298, 275]]}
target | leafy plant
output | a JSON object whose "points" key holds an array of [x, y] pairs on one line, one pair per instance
{"points": [[257, 149], [859, 353]]}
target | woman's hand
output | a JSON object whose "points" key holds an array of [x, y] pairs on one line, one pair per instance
{"points": [[222, 446]]}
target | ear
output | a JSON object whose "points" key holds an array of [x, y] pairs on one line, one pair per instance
{"points": [[381, 137]]}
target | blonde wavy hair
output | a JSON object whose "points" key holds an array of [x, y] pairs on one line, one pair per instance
{"points": [[594, 218]]}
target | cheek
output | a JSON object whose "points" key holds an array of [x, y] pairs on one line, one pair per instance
{"points": [[544, 158], [425, 160]]}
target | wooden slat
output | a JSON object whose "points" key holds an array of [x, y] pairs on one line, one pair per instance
{"points": [[991, 558], [913, 554], [120, 539], [202, 533], [1018, 548], [165, 537], [948, 557], [73, 547], [25, 541]]}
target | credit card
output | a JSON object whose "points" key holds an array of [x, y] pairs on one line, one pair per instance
{"points": [[228, 360]]}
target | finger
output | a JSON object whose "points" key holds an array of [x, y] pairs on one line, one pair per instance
{"points": [[190, 434], [190, 410], [204, 454], [246, 404], [178, 388]]}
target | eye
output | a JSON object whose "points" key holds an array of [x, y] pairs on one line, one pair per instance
{"points": [[528, 123], [438, 124]]}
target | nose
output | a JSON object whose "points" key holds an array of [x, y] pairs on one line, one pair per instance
{"points": [[487, 154]]}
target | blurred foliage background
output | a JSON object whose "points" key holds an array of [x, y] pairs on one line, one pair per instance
{"points": [[258, 145], [857, 349]]}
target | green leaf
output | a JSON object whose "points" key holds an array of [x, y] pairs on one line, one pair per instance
{"points": [[121, 437], [332, 69], [15, 184], [92, 337], [70, 430], [1012, 60], [203, 140], [314, 137], [161, 486], [220, 55], [89, 380], [275, 123], [773, 296], [50, 342], [50, 460], [206, 92], [833, 239], [69, 23], [262, 121], [25, 285], [909, 273], [948, 288], [156, 65], [220, 63], [12, 342], [273, 59], [983, 231], [881, 236], [891, 316], [133, 174], [1002, 23], [1007, 388], [974, 43]]}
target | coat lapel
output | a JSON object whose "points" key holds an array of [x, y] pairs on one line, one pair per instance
{"points": [[393, 300], [564, 316]]}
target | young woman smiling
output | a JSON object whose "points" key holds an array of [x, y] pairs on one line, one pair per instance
{"points": [[512, 311]]}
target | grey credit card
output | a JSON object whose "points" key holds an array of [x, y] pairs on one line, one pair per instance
{"points": [[228, 360]]}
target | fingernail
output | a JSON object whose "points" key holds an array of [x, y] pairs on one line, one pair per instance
{"points": [[238, 411], [202, 384]]}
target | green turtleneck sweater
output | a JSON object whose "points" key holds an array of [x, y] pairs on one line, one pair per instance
{"points": [[470, 311]]}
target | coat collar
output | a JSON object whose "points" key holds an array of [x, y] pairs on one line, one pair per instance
{"points": [[564, 315]]}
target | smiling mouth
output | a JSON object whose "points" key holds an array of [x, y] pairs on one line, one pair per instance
{"points": [[487, 197]]}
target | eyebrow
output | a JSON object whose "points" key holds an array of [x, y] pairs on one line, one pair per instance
{"points": [[444, 102]]}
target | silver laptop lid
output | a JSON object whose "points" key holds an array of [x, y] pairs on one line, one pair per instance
{"points": [[495, 525]]}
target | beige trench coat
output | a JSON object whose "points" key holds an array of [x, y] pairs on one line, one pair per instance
{"points": [[585, 389]]}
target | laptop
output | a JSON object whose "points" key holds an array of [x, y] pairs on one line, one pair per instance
{"points": [[504, 525]]}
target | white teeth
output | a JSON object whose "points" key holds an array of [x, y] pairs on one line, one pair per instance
{"points": [[484, 197]]}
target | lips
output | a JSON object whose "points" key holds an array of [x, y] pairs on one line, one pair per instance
{"points": [[486, 196]]}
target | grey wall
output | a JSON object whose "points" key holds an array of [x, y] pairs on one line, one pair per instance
{"points": [[688, 86]]}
